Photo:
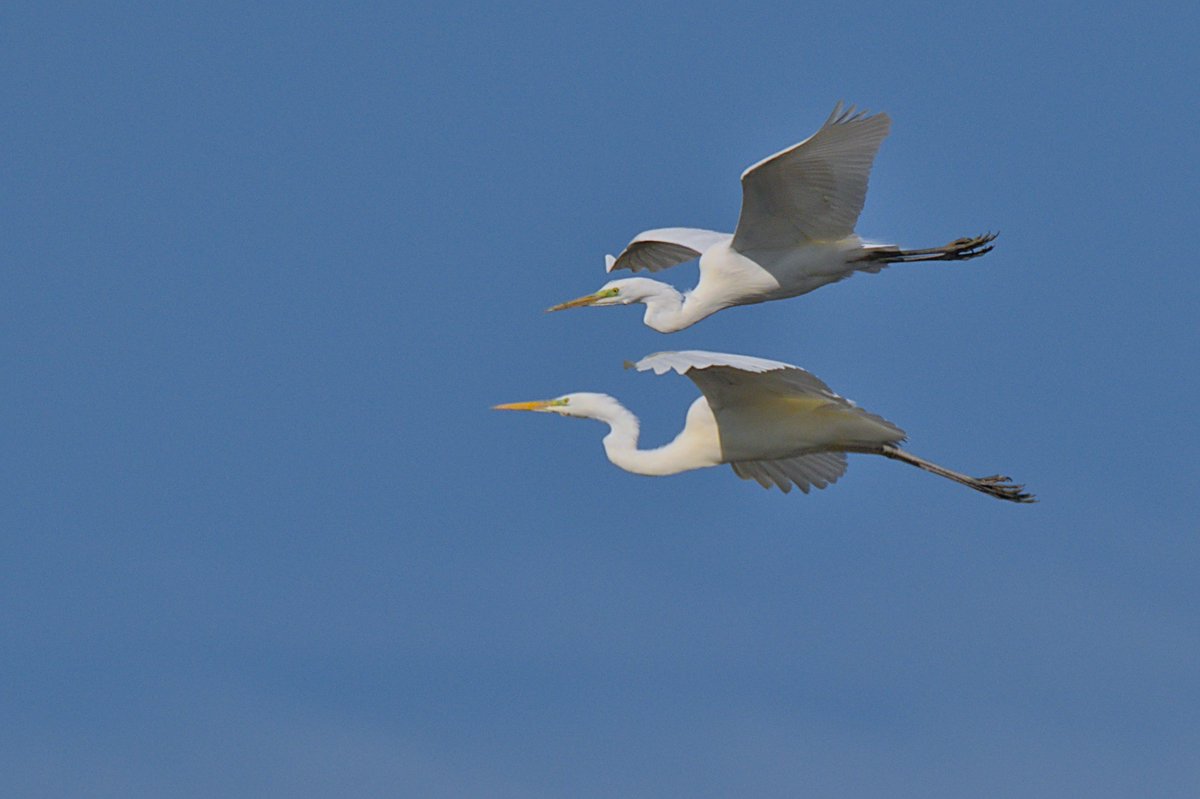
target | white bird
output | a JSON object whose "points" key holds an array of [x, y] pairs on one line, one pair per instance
{"points": [[772, 422], [795, 233]]}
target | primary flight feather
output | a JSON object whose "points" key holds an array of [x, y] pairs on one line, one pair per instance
{"points": [[795, 233]]}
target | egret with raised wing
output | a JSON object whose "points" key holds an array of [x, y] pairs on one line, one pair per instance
{"points": [[795, 233], [772, 422]]}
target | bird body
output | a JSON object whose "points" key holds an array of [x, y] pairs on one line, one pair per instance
{"points": [[772, 422], [777, 274], [795, 233]]}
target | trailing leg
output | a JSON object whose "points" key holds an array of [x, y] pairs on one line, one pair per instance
{"points": [[957, 250], [996, 485]]}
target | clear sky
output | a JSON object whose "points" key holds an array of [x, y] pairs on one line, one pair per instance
{"points": [[265, 271]]}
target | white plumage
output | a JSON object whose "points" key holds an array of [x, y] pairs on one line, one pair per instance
{"points": [[772, 422], [795, 233]]}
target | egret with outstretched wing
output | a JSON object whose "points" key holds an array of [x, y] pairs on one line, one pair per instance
{"points": [[795, 233], [772, 422]]}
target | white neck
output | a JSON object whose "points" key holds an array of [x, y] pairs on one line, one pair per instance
{"points": [[621, 446], [667, 310]]}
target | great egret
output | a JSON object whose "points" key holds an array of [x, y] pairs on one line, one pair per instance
{"points": [[795, 233], [772, 422]]}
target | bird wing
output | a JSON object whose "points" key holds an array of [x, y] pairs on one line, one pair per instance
{"points": [[818, 470], [735, 383], [814, 190], [664, 248], [726, 379]]}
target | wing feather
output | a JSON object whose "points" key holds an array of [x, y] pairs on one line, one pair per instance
{"points": [[663, 248], [730, 381], [746, 471], [805, 472], [814, 190], [727, 374]]}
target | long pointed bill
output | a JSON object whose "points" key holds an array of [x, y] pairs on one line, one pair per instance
{"points": [[536, 405], [579, 303]]}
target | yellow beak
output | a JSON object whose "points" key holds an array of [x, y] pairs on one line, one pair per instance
{"points": [[536, 405], [578, 303]]}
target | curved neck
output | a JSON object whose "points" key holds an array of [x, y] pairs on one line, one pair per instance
{"points": [[667, 310], [621, 446]]}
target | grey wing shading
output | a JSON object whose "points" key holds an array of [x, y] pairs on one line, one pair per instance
{"points": [[655, 250], [728, 380], [724, 377], [812, 191], [805, 472]]}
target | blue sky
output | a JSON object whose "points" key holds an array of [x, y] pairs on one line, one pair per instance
{"points": [[265, 271]]}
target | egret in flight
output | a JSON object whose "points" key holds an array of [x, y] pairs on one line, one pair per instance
{"points": [[795, 233], [772, 422]]}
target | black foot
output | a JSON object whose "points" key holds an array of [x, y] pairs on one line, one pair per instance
{"points": [[1001, 487], [964, 249]]}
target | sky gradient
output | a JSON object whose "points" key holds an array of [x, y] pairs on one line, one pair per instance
{"points": [[266, 271]]}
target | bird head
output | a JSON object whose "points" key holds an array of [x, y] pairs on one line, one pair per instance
{"points": [[615, 292], [583, 405]]}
